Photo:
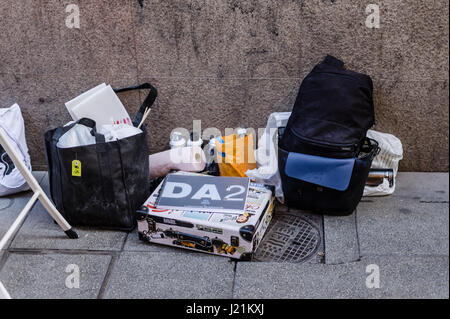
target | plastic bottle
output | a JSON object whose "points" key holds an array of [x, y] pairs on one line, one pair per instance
{"points": [[195, 140], [177, 140], [241, 132], [212, 167]]}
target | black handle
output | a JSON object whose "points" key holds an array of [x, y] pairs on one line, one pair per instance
{"points": [[99, 138], [331, 60], [60, 131], [148, 102]]}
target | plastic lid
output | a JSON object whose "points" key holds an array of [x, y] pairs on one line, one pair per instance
{"points": [[241, 131], [177, 140], [212, 142]]}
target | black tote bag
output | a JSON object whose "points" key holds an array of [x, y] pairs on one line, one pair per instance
{"points": [[113, 178]]}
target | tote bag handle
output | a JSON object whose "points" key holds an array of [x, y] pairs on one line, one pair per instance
{"points": [[148, 102]]}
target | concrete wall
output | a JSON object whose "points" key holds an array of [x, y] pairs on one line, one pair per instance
{"points": [[228, 62]]}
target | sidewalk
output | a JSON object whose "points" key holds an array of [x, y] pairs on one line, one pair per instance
{"points": [[406, 235]]}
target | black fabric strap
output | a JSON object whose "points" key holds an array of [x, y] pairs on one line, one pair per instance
{"points": [[87, 122], [331, 60], [99, 138], [60, 131], [148, 102]]}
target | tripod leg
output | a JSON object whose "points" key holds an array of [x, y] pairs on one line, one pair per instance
{"points": [[3, 292], [57, 217], [34, 185], [71, 234]]}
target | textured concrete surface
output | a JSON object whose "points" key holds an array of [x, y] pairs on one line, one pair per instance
{"points": [[163, 275], [29, 276], [44, 276], [228, 63], [400, 277], [405, 235], [420, 187], [415, 220], [11, 206], [341, 239], [410, 228]]}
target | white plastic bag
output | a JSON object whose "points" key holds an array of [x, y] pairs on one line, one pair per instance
{"points": [[391, 152], [118, 131], [267, 154], [78, 135], [11, 123]]}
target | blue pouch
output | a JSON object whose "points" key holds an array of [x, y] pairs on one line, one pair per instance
{"points": [[323, 171], [325, 185]]}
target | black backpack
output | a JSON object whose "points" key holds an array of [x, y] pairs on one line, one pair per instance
{"points": [[324, 155]]}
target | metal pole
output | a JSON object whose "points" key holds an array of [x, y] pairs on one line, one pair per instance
{"points": [[38, 194], [34, 185], [19, 220], [3, 292]]}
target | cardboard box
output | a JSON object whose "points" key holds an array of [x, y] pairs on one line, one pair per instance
{"points": [[226, 234]]}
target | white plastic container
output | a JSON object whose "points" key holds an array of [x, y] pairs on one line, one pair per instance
{"points": [[177, 140]]}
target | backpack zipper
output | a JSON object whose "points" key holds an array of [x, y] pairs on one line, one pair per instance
{"points": [[331, 146]]}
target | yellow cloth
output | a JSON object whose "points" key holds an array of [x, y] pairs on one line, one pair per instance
{"points": [[235, 155]]}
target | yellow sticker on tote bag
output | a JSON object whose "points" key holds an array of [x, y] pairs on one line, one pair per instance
{"points": [[76, 168]]}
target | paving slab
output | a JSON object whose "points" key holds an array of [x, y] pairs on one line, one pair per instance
{"points": [[409, 276], [400, 277], [10, 208], [39, 175], [413, 220], [40, 232], [44, 275], [341, 239], [416, 187], [410, 228], [424, 187], [170, 275], [283, 280], [12, 205]]}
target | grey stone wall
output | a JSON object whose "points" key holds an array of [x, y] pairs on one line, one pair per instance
{"points": [[228, 62]]}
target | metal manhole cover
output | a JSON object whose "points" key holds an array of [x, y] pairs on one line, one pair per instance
{"points": [[290, 239]]}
